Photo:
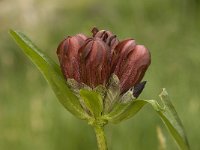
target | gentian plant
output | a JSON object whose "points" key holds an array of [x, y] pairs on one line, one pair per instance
{"points": [[99, 80]]}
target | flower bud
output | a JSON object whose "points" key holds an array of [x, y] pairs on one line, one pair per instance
{"points": [[67, 53], [94, 62], [106, 36], [129, 63]]}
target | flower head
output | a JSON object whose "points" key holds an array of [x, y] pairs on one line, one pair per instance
{"points": [[92, 60]]}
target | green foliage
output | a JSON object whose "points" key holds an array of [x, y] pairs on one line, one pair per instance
{"points": [[170, 117], [124, 111], [166, 112], [93, 100], [30, 116], [52, 74]]}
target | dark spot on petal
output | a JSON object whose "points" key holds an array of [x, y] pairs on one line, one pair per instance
{"points": [[138, 88]]}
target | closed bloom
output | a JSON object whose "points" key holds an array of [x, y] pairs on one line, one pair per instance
{"points": [[67, 52], [129, 63], [92, 60]]}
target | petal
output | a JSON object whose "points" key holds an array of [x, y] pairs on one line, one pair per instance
{"points": [[95, 68], [108, 37], [136, 65], [120, 55], [67, 52]]}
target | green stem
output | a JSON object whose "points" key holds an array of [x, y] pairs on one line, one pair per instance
{"points": [[101, 140]]}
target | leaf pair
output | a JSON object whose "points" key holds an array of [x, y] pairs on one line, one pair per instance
{"points": [[93, 100]]}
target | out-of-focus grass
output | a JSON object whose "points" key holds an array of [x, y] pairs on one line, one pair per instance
{"points": [[30, 115]]}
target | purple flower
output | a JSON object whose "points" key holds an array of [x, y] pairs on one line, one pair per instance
{"points": [[92, 60]]}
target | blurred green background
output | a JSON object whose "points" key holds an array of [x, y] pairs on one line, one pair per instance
{"points": [[30, 115]]}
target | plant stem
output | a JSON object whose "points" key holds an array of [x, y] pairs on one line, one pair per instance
{"points": [[101, 140]]}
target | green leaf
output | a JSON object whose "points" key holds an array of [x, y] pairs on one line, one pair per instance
{"points": [[51, 72], [170, 118], [123, 111], [166, 112], [93, 102]]}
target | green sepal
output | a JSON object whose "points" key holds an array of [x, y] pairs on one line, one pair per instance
{"points": [[112, 95], [127, 97], [101, 90], [93, 102], [51, 72], [76, 86]]}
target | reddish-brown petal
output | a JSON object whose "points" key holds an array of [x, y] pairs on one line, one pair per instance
{"points": [[94, 63], [132, 64], [106, 36], [120, 55], [67, 52]]}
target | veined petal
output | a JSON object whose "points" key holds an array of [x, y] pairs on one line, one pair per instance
{"points": [[94, 62], [135, 67], [120, 55], [67, 52]]}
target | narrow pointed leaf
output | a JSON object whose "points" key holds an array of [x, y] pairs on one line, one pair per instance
{"points": [[166, 112], [93, 102], [171, 119], [51, 71]]}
